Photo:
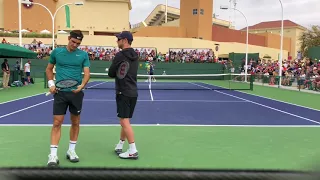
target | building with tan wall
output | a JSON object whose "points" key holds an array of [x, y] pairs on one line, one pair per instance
{"points": [[194, 20], [185, 27], [272, 29], [157, 18], [95, 17], [1, 15], [267, 40]]}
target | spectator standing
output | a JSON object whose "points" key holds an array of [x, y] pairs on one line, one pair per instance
{"points": [[27, 68], [6, 73]]}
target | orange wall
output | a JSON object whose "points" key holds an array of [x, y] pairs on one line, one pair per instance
{"points": [[223, 34], [205, 19], [29, 15], [197, 25], [161, 31], [187, 19], [273, 41]]}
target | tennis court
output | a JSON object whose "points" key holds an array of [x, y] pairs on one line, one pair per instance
{"points": [[190, 122]]}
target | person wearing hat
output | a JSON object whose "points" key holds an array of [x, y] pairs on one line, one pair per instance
{"points": [[124, 69]]}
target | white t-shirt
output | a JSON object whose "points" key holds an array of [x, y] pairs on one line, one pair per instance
{"points": [[27, 67]]}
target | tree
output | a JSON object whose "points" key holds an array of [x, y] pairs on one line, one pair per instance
{"points": [[308, 39]]}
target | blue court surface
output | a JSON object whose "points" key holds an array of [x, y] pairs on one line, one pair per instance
{"points": [[168, 107]]}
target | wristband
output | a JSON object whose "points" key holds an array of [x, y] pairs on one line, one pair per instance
{"points": [[51, 83]]}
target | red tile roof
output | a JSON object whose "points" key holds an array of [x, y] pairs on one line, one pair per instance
{"points": [[272, 24]]}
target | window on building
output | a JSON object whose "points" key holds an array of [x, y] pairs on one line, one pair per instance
{"points": [[195, 11], [201, 11]]}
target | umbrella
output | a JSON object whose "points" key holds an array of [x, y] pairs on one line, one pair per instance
{"points": [[45, 32]]}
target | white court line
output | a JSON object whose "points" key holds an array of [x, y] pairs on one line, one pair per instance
{"points": [[14, 112], [267, 97], [163, 100], [20, 110], [38, 95], [280, 101], [275, 109], [151, 95], [22, 98], [200, 86], [96, 85], [285, 112], [165, 125]]}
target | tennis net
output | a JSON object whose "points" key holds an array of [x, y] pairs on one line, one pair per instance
{"points": [[178, 82]]}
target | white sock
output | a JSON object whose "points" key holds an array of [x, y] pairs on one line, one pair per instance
{"points": [[120, 144], [54, 150], [133, 148], [72, 145]]}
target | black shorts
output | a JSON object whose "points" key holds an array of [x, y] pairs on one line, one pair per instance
{"points": [[125, 106], [63, 100]]}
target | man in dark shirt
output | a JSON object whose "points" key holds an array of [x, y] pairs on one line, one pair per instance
{"points": [[6, 73], [124, 69]]}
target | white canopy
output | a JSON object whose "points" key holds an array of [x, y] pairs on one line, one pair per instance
{"points": [[45, 32]]}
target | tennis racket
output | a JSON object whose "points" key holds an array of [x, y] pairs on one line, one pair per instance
{"points": [[64, 84]]}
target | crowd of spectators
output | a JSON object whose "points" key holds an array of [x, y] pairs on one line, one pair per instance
{"points": [[108, 53], [151, 54], [304, 72], [191, 56]]}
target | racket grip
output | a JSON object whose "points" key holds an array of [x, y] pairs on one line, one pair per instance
{"points": [[48, 93]]}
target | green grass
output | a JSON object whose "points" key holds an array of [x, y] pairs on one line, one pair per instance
{"points": [[21, 92], [174, 147]]}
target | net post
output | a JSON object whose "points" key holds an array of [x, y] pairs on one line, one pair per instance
{"points": [[251, 82], [229, 80], [45, 80]]}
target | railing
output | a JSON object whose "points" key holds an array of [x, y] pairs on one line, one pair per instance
{"points": [[289, 82]]}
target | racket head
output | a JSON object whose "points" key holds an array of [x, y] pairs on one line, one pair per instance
{"points": [[66, 83]]}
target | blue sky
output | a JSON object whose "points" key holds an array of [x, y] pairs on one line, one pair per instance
{"points": [[303, 12]]}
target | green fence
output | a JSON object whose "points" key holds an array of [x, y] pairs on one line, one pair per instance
{"points": [[38, 66], [238, 57], [169, 68], [314, 52]]}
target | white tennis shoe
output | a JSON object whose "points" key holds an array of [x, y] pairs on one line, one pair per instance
{"points": [[118, 148], [129, 155], [53, 161], [72, 156]]}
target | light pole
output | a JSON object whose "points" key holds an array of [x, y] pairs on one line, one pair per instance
{"points": [[166, 11], [20, 23], [247, 39], [281, 47], [52, 15], [20, 27]]}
